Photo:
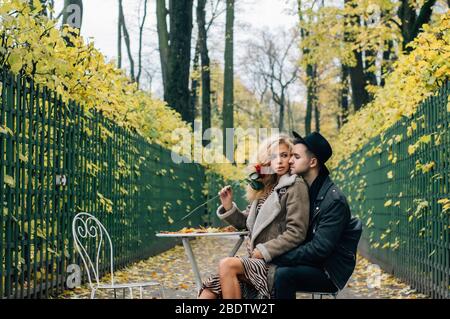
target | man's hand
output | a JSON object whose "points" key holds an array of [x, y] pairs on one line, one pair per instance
{"points": [[257, 254]]}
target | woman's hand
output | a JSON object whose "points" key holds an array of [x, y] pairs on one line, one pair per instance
{"points": [[226, 197], [257, 254]]}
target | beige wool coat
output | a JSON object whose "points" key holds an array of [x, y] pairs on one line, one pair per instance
{"points": [[282, 221]]}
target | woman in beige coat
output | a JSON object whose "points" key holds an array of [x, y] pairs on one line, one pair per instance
{"points": [[277, 219]]}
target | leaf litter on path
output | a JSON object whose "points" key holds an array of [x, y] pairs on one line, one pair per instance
{"points": [[173, 270]]}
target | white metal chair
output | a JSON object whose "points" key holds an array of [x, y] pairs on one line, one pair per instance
{"points": [[352, 233], [87, 227]]}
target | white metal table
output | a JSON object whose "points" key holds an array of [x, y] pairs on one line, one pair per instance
{"points": [[187, 247]]}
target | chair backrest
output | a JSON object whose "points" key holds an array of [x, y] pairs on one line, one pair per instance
{"points": [[88, 232]]}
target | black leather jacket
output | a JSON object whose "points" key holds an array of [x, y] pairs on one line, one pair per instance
{"points": [[332, 237]]}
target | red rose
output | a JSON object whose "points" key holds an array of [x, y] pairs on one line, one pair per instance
{"points": [[258, 168]]}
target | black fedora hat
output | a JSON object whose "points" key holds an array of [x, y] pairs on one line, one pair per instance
{"points": [[317, 144]]}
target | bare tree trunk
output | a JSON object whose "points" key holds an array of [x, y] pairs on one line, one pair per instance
{"points": [[119, 37], [344, 97], [407, 15], [317, 117], [360, 96], [423, 17], [205, 70], [387, 60], [141, 31], [370, 57], [388, 57], [52, 5], [228, 88], [150, 79], [163, 39], [194, 81], [290, 116], [175, 54], [310, 97], [127, 41], [177, 92], [310, 77], [411, 23], [282, 106]]}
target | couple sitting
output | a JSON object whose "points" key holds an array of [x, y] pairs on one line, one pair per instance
{"points": [[302, 236]]}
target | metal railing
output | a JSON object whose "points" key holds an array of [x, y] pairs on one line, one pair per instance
{"points": [[57, 160], [398, 184]]}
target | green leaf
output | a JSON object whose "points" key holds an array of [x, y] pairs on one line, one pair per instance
{"points": [[39, 233], [15, 62], [23, 158], [6, 130], [9, 180], [425, 139]]}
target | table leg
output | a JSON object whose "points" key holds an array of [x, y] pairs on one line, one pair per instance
{"points": [[237, 246], [190, 254]]}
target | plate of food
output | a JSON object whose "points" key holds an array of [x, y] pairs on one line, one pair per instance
{"points": [[202, 231]]}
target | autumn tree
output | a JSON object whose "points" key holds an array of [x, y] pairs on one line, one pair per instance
{"points": [[360, 95], [272, 59], [249, 109], [175, 54], [310, 66], [141, 36], [363, 39], [205, 64], [201, 75], [44, 4], [126, 36], [413, 18], [119, 35], [228, 89]]}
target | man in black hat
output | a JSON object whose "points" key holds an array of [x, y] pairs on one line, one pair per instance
{"points": [[326, 259]]}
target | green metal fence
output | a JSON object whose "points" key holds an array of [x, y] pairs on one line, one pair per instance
{"points": [[57, 160], [399, 184]]}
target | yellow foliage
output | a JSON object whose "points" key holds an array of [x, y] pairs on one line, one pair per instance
{"points": [[390, 175], [62, 61], [416, 76], [333, 32], [445, 202]]}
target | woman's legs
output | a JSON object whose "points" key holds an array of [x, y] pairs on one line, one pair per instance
{"points": [[229, 270]]}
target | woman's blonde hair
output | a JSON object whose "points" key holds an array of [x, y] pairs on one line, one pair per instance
{"points": [[265, 152]]}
